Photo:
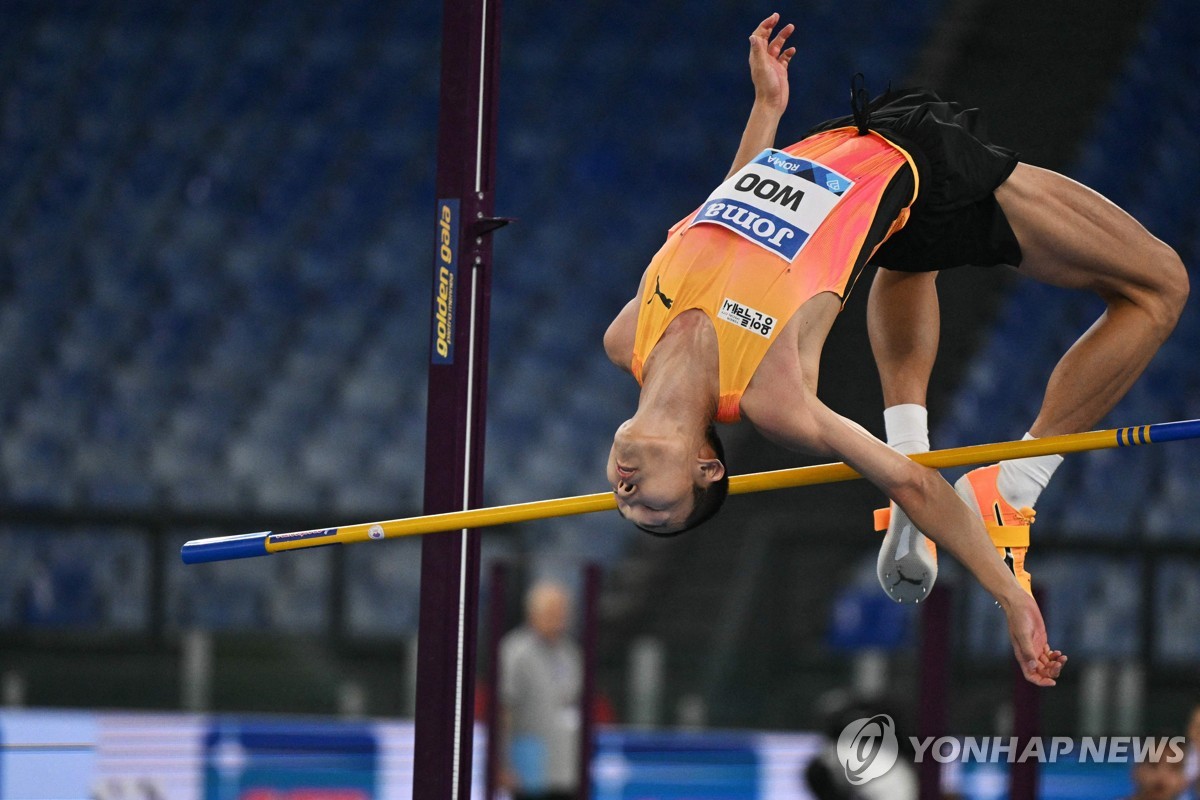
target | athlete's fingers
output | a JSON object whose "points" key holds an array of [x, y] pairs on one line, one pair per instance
{"points": [[1030, 659], [1049, 666], [786, 56], [781, 37], [765, 27], [1039, 674]]}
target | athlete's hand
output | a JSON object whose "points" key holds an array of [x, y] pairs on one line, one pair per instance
{"points": [[769, 62], [1039, 664]]}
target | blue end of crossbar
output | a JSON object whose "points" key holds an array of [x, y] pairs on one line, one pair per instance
{"points": [[1175, 431], [225, 548]]}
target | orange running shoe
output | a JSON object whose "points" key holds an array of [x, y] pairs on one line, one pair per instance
{"points": [[1008, 526]]}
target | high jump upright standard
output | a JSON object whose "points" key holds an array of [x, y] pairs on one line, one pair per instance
{"points": [[461, 293]]}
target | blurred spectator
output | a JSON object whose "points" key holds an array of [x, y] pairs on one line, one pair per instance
{"points": [[541, 676], [1158, 778]]}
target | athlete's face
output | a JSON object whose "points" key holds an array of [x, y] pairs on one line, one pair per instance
{"points": [[653, 478]]}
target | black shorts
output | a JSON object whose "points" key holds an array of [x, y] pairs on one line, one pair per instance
{"points": [[955, 220]]}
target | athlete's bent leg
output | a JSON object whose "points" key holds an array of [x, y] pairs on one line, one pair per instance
{"points": [[904, 324], [903, 321], [1073, 237]]}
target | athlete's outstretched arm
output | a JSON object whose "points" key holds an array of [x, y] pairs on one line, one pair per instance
{"points": [[768, 69], [804, 423]]}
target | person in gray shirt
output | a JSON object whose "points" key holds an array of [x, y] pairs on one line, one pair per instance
{"points": [[541, 676]]}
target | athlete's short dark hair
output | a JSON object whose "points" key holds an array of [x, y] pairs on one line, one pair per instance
{"points": [[706, 501]]}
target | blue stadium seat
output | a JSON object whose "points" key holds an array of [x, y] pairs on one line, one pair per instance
{"points": [[1177, 623], [216, 248], [381, 601]]}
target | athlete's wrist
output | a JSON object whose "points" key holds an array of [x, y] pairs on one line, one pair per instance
{"points": [[1011, 597], [769, 107]]}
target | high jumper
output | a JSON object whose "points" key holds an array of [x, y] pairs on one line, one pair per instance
{"points": [[731, 315]]}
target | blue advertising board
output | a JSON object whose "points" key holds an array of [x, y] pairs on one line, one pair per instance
{"points": [[288, 760]]}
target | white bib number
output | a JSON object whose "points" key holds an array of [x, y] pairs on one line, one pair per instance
{"points": [[776, 201]]}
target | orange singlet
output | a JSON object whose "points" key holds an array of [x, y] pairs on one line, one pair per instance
{"points": [[783, 229]]}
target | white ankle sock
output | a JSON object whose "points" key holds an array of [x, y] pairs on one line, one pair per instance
{"points": [[1022, 480], [907, 427]]}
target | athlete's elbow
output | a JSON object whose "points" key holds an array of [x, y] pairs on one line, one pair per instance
{"points": [[786, 417], [915, 487]]}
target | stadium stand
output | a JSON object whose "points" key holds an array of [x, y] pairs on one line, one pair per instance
{"points": [[213, 269]]}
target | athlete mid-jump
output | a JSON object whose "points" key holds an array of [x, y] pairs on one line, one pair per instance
{"points": [[731, 315]]}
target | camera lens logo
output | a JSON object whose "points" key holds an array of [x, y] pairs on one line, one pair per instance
{"points": [[867, 748]]}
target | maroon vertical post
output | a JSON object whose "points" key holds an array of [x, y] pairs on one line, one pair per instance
{"points": [[934, 691], [461, 292], [497, 604], [1027, 713], [587, 694]]}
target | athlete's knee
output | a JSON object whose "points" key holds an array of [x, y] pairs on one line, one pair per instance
{"points": [[1169, 287], [1177, 287], [1158, 287]]}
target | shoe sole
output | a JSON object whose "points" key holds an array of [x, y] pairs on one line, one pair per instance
{"points": [[906, 568]]}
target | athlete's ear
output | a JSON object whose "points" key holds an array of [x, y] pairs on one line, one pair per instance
{"points": [[711, 469]]}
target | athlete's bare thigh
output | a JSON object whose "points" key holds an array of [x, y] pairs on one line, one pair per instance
{"points": [[1074, 237]]}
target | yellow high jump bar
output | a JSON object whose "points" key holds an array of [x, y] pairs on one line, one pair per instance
{"points": [[224, 548]]}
